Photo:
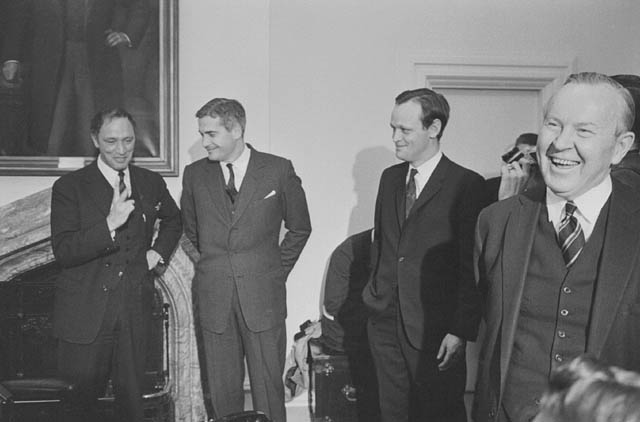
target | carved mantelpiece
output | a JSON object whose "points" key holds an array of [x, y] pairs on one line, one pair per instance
{"points": [[25, 244]]}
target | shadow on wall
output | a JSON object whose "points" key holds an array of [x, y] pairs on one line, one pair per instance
{"points": [[367, 168]]}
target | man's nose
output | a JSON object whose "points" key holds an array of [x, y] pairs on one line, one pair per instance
{"points": [[120, 148], [564, 139], [396, 136]]}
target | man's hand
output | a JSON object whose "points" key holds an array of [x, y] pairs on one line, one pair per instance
{"points": [[514, 178], [10, 70], [153, 258], [121, 207], [451, 351], [115, 38]]}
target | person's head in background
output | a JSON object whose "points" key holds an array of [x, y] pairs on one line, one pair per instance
{"points": [[585, 390], [632, 83]]}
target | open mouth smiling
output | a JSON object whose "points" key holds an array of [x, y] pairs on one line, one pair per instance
{"points": [[563, 163]]}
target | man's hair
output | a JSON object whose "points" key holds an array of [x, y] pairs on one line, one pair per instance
{"points": [[585, 390], [434, 106], [229, 111], [106, 116], [632, 83], [627, 106], [530, 139]]}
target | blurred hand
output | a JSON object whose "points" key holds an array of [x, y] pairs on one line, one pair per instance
{"points": [[115, 38], [514, 178], [10, 70], [451, 351]]}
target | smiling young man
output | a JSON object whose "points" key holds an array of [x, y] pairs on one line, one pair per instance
{"points": [[234, 202], [422, 293], [102, 233], [558, 266]]}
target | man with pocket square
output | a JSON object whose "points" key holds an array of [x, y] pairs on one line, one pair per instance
{"points": [[234, 202]]}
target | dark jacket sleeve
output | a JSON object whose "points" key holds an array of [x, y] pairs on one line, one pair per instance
{"points": [[296, 218], [170, 228], [74, 242], [466, 317]]}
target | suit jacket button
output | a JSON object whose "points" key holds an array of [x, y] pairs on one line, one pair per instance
{"points": [[107, 264], [492, 414], [120, 274], [105, 288], [401, 259]]}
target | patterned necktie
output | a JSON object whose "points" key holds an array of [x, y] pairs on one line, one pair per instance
{"points": [[411, 193], [231, 184], [570, 235], [121, 185]]}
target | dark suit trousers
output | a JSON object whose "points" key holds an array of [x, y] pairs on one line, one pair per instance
{"points": [[411, 388], [118, 351], [265, 354]]}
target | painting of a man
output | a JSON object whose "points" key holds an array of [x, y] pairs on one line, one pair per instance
{"points": [[73, 66]]}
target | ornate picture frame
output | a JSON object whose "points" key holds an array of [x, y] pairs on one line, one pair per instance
{"points": [[143, 69]]}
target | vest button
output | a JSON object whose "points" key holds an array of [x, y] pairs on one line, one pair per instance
{"points": [[558, 357], [120, 274], [401, 259], [564, 312], [566, 289], [105, 288]]}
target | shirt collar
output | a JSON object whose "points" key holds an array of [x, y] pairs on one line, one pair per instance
{"points": [[242, 162], [589, 203], [110, 174], [426, 168]]}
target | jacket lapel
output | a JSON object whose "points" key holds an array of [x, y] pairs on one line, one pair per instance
{"points": [[214, 180], [433, 185], [399, 188], [518, 242], [249, 184], [619, 255], [100, 191]]}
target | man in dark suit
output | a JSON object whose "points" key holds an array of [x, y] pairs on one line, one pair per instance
{"points": [[344, 319], [102, 227], [422, 291], [558, 266], [233, 203], [75, 68]]}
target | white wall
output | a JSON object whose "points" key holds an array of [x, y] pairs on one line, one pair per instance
{"points": [[318, 80]]}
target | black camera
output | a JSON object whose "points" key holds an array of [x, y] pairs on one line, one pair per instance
{"points": [[514, 154]]}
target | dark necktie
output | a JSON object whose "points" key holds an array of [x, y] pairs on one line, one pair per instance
{"points": [[121, 186], [231, 184], [411, 193], [570, 235]]}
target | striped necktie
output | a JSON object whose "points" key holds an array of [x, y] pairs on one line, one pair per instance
{"points": [[231, 184], [570, 235], [121, 185], [411, 193]]}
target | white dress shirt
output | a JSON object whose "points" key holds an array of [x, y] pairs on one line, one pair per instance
{"points": [[424, 172], [589, 205], [239, 167]]}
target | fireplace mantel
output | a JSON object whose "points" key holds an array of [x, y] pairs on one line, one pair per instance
{"points": [[25, 244]]}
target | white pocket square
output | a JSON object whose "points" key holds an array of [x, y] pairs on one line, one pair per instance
{"points": [[270, 194]]}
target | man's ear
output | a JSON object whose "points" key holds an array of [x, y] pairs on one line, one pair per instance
{"points": [[624, 142], [236, 131], [434, 128], [95, 141]]}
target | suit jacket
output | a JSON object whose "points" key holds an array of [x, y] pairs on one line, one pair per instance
{"points": [[242, 250], [92, 263], [504, 240], [430, 254], [35, 34], [628, 170]]}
